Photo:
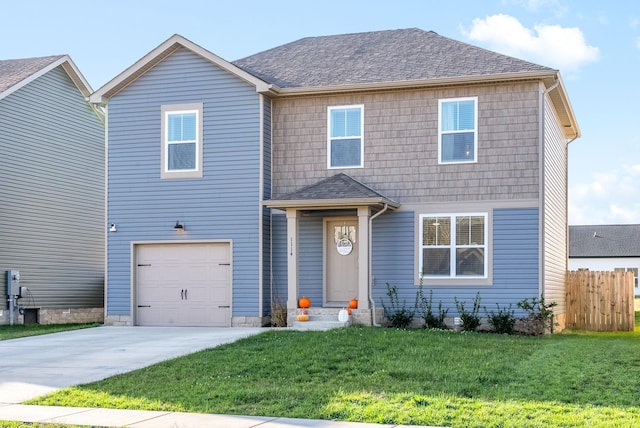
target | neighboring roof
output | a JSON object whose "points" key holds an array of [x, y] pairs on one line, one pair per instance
{"points": [[376, 57], [16, 73], [611, 240], [338, 190], [157, 55]]}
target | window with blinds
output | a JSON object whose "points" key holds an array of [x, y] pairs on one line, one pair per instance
{"points": [[458, 130], [453, 245], [181, 141], [345, 142]]}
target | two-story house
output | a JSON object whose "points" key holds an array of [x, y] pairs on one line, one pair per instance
{"points": [[52, 192], [329, 167]]}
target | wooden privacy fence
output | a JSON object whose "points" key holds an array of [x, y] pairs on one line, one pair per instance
{"points": [[600, 301]]}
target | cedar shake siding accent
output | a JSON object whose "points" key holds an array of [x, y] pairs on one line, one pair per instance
{"points": [[222, 205], [401, 144]]}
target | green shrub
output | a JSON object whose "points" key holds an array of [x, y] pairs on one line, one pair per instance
{"points": [[502, 321], [470, 319], [425, 305], [397, 313], [539, 316]]}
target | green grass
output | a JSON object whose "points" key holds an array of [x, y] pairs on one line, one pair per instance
{"points": [[392, 376], [14, 424], [22, 330]]}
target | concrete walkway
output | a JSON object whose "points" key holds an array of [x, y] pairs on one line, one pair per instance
{"points": [[38, 365]]}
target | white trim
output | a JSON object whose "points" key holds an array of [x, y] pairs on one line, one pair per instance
{"points": [[330, 138], [68, 66], [475, 129], [133, 280], [453, 246], [167, 110], [169, 46], [261, 209]]}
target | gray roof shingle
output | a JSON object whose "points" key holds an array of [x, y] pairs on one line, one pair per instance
{"points": [[14, 71], [611, 240], [377, 57], [339, 186]]}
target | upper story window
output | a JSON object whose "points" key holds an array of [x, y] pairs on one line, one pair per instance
{"points": [[345, 129], [458, 130], [453, 245], [181, 141]]}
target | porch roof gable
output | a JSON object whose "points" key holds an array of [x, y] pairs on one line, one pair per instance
{"points": [[339, 190]]}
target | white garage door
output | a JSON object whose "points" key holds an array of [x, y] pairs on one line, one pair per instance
{"points": [[183, 284]]}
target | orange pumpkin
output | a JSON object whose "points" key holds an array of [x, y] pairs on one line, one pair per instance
{"points": [[304, 302], [353, 303]]}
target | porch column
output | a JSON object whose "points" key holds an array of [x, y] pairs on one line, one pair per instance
{"points": [[292, 258], [364, 213]]}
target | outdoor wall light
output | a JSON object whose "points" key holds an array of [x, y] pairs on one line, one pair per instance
{"points": [[179, 226], [113, 228]]}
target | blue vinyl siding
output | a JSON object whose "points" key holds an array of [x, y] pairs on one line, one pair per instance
{"points": [[52, 189], [279, 274], [515, 261], [223, 204], [310, 257], [266, 212]]}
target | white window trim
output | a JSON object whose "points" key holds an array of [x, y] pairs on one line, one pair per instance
{"points": [[165, 110], [475, 130], [329, 139], [459, 280]]}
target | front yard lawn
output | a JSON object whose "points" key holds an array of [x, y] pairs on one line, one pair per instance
{"points": [[421, 377], [22, 330]]}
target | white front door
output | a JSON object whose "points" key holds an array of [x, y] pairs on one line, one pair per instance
{"points": [[183, 284], [341, 261]]}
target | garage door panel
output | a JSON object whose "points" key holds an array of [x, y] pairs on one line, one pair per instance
{"points": [[184, 284]]}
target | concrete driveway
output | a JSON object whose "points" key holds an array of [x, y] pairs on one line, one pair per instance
{"points": [[38, 365]]}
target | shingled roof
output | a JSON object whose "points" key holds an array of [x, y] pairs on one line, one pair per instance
{"points": [[339, 189], [612, 240], [14, 71], [376, 57]]}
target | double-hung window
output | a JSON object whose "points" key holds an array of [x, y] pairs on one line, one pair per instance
{"points": [[453, 245], [458, 130], [181, 141], [345, 137]]}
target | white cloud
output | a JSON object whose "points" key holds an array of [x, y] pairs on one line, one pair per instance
{"points": [[564, 48], [535, 5], [610, 198]]}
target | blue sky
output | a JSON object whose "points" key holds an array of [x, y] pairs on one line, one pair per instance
{"points": [[594, 44]]}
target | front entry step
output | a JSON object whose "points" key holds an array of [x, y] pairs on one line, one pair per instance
{"points": [[320, 319]]}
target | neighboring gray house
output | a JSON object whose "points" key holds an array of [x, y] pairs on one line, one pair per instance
{"points": [[605, 247], [328, 167], [52, 191]]}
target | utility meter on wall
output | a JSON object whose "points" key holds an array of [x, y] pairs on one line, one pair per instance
{"points": [[13, 282]]}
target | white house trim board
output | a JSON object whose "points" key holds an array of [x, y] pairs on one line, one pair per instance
{"points": [[67, 65], [292, 257], [165, 49]]}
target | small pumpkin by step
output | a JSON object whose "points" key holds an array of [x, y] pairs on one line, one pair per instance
{"points": [[353, 303], [304, 302], [303, 316]]}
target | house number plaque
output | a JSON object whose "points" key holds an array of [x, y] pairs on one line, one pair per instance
{"points": [[344, 246]]}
